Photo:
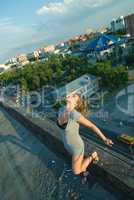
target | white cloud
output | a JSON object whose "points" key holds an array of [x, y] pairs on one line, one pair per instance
{"points": [[59, 20], [68, 6], [70, 17], [52, 8]]}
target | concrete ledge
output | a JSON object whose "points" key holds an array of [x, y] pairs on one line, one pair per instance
{"points": [[111, 168]]}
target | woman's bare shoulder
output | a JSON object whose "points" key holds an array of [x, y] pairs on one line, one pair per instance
{"points": [[75, 115]]}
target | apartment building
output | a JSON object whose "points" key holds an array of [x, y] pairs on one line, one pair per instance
{"points": [[129, 24], [118, 24], [86, 85]]}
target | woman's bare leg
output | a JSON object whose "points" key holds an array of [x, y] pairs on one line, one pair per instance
{"points": [[80, 164], [85, 163], [76, 164]]}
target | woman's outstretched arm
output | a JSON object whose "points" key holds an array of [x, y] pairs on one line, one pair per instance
{"points": [[84, 121]]}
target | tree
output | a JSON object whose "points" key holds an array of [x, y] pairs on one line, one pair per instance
{"points": [[60, 70], [110, 77], [23, 84], [130, 59]]}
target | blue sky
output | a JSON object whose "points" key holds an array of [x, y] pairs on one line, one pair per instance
{"points": [[28, 24]]}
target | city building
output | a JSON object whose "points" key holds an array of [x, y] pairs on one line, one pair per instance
{"points": [[3, 68], [43, 55], [118, 24], [36, 54], [103, 30], [86, 85], [78, 38], [102, 43], [12, 62], [100, 47], [31, 56], [22, 59], [62, 48], [49, 49], [129, 24]]}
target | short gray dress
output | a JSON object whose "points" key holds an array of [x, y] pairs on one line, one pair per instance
{"points": [[73, 142]]}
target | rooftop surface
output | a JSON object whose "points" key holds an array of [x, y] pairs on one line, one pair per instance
{"points": [[76, 84], [31, 171], [102, 42]]}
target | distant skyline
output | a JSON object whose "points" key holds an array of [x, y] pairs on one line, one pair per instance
{"points": [[28, 24]]}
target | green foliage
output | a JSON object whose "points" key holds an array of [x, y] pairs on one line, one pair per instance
{"points": [[59, 70], [110, 77], [58, 104], [130, 59], [23, 84]]}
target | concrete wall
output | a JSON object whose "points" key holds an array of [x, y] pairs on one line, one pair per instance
{"points": [[111, 168]]}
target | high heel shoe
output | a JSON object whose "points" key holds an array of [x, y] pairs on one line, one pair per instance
{"points": [[94, 157]]}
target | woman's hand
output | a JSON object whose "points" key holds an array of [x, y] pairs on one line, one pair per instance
{"points": [[63, 118], [108, 142], [69, 107]]}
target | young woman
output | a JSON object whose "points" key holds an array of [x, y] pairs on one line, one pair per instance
{"points": [[69, 118]]}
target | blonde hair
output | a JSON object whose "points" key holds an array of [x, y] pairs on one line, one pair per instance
{"points": [[82, 104]]}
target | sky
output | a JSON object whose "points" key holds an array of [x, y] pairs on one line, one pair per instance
{"points": [[29, 24]]}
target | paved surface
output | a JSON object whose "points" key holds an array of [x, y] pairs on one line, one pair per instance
{"points": [[31, 171]]}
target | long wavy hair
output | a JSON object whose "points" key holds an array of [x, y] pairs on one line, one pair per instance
{"points": [[82, 104]]}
